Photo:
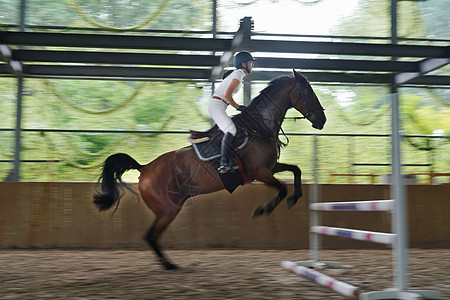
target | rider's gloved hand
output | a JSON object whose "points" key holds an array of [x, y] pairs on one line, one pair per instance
{"points": [[242, 107]]}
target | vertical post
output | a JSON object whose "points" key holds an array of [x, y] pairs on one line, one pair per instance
{"points": [[246, 26], [214, 34], [431, 157], [314, 216], [351, 155], [394, 38], [247, 92], [22, 15], [214, 18], [399, 216], [18, 129]]}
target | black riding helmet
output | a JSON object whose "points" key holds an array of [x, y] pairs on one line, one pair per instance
{"points": [[242, 57]]}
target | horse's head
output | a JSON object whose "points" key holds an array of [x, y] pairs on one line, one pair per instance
{"points": [[306, 102]]}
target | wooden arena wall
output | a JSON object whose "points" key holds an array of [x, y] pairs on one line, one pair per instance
{"points": [[61, 215]]}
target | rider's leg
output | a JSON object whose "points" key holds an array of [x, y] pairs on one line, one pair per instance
{"points": [[226, 159], [217, 109]]}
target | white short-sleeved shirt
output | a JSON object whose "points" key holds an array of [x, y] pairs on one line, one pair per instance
{"points": [[221, 90]]}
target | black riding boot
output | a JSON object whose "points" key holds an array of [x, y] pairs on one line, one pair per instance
{"points": [[226, 159]]}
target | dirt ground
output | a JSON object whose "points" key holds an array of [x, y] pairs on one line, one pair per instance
{"points": [[204, 274]]}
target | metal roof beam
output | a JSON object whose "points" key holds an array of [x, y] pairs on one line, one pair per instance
{"points": [[90, 57], [214, 44], [104, 71], [350, 78], [337, 64], [339, 48], [328, 77], [142, 73], [113, 41]]}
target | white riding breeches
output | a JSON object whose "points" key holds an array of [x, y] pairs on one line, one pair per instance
{"points": [[216, 109]]}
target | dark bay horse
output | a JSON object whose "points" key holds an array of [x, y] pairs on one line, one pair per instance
{"points": [[169, 180]]}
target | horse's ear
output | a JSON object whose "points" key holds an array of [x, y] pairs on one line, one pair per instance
{"points": [[299, 76]]}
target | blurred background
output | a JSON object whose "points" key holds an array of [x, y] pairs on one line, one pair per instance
{"points": [[158, 114]]}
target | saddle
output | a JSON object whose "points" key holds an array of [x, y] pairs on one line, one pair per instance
{"points": [[196, 137], [207, 144]]}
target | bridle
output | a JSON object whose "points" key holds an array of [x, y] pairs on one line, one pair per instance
{"points": [[264, 120], [309, 115]]}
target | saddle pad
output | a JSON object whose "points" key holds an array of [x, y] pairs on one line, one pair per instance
{"points": [[210, 150]]}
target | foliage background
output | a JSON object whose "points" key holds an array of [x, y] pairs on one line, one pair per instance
{"points": [[127, 105]]}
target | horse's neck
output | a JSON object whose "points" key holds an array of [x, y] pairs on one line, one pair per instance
{"points": [[271, 109]]}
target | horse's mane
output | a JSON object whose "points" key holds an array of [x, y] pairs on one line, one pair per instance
{"points": [[251, 117], [276, 81], [272, 84]]}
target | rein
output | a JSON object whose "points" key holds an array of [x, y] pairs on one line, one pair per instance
{"points": [[258, 121], [263, 129], [294, 118]]}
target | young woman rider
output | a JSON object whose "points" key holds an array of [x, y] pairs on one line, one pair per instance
{"points": [[222, 97]]}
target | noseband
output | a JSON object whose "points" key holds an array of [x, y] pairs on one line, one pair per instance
{"points": [[310, 115]]}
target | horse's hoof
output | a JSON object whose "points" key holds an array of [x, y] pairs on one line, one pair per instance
{"points": [[257, 212], [169, 266], [291, 201]]}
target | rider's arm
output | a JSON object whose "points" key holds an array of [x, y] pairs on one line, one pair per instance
{"points": [[229, 92]]}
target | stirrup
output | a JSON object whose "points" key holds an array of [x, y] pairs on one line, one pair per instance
{"points": [[223, 169], [226, 169]]}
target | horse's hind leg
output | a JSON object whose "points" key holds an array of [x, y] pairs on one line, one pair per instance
{"points": [[267, 178], [163, 219], [297, 193]]}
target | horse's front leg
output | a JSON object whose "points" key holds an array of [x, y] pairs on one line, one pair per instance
{"points": [[267, 178], [297, 193]]}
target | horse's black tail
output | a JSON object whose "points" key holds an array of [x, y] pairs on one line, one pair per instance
{"points": [[111, 176]]}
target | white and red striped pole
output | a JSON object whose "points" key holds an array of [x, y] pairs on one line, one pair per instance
{"points": [[340, 287]]}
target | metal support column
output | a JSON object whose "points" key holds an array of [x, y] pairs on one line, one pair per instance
{"points": [[214, 33], [247, 89], [214, 18], [398, 192], [400, 216], [17, 148], [247, 27]]}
